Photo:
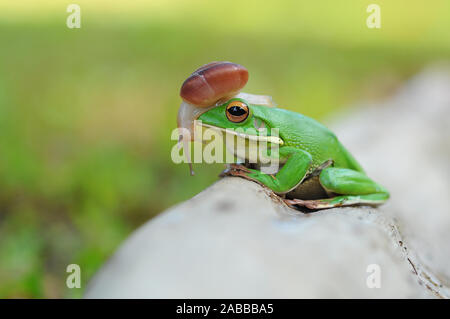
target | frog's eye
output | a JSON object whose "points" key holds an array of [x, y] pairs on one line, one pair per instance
{"points": [[237, 111]]}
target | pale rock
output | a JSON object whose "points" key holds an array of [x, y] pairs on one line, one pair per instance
{"points": [[236, 239]]}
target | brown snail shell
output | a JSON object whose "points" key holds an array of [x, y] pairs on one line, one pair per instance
{"points": [[213, 82]]}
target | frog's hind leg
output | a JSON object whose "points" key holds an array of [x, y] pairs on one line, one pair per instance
{"points": [[351, 188]]}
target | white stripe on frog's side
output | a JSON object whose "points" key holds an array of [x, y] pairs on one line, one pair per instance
{"points": [[256, 138]]}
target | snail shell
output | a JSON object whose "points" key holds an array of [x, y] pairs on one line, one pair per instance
{"points": [[213, 82]]}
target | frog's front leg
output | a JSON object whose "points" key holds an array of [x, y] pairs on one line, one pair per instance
{"points": [[352, 188], [288, 177]]}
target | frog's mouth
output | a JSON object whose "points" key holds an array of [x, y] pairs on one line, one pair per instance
{"points": [[250, 137]]}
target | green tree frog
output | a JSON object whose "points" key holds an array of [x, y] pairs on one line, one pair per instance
{"points": [[316, 170]]}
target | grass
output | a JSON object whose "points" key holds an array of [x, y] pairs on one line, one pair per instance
{"points": [[86, 115]]}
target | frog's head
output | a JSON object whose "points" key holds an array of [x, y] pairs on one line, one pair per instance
{"points": [[238, 117]]}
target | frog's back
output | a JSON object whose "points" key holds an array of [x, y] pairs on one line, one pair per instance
{"points": [[309, 135]]}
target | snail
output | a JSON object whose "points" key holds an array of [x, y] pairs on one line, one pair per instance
{"points": [[207, 87]]}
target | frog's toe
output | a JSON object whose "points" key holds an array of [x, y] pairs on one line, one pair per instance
{"points": [[239, 167], [234, 170], [338, 201], [310, 204]]}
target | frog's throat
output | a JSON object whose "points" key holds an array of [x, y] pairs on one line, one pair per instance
{"points": [[257, 138]]}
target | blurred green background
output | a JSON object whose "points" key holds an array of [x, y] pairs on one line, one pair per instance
{"points": [[86, 114]]}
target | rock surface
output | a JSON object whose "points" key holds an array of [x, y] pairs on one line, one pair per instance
{"points": [[405, 145], [237, 240]]}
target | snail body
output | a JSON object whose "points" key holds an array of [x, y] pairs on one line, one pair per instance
{"points": [[209, 86]]}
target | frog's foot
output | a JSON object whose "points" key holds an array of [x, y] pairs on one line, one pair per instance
{"points": [[339, 201], [249, 174], [290, 175], [234, 170], [349, 186]]}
